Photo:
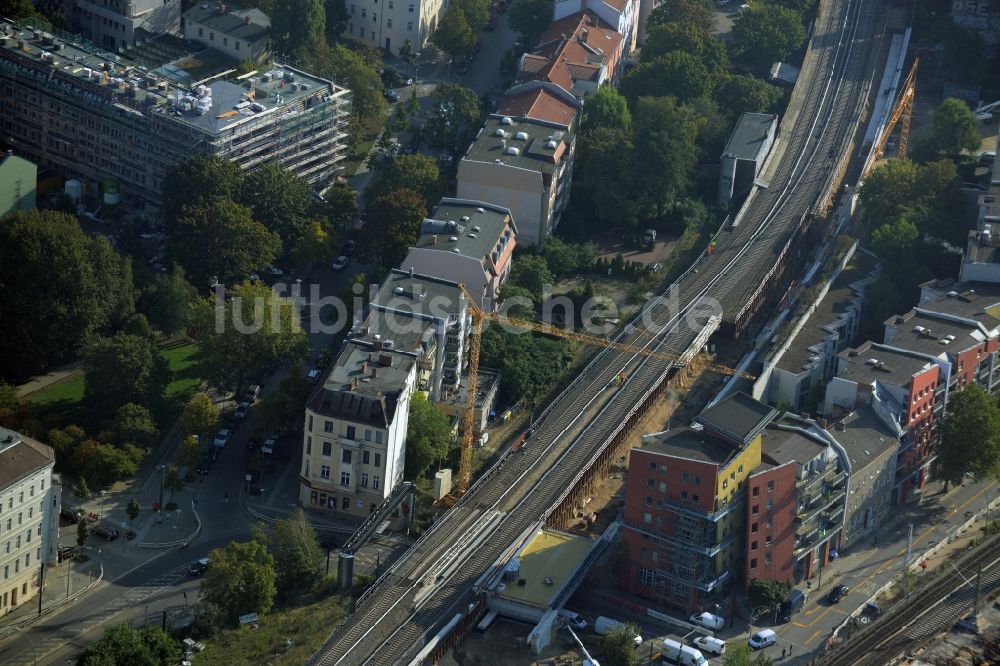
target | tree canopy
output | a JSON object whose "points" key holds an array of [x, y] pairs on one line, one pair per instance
{"points": [[607, 108], [124, 644], [123, 369], [51, 271], [954, 128], [292, 543], [428, 436], [240, 580], [739, 654], [417, 172], [297, 25], [677, 73], [766, 33], [221, 239], [454, 35], [200, 415], [167, 301], [531, 18], [970, 436], [392, 226], [134, 424], [281, 201], [699, 12], [359, 71], [745, 93], [618, 646], [199, 180], [455, 117]]}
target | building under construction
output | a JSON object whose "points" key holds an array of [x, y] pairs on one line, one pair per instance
{"points": [[117, 125]]}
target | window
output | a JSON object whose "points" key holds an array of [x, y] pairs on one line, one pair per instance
{"points": [[754, 528], [346, 504], [237, 45], [345, 478], [324, 471], [643, 553], [650, 483], [769, 522], [685, 478], [695, 499], [411, 9], [378, 460], [767, 558], [309, 446], [351, 432], [368, 435], [684, 495], [352, 9], [770, 503], [647, 576], [409, 26], [201, 33], [649, 501], [378, 436], [306, 471], [663, 469], [310, 422], [366, 457], [740, 470], [390, 4], [753, 545], [770, 486], [327, 449], [663, 487], [647, 518], [753, 563], [388, 23], [652, 467], [374, 18], [375, 482], [767, 541], [725, 483], [756, 491], [364, 479], [211, 36], [697, 480], [756, 509], [225, 41], [346, 455], [645, 537], [328, 426]]}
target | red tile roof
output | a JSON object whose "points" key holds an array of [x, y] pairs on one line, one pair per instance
{"points": [[574, 47], [539, 104]]}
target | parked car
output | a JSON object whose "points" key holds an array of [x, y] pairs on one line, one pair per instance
{"points": [[71, 515], [275, 271], [348, 248], [313, 375], [242, 409], [710, 644], [339, 263], [838, 593], [708, 621], [108, 533], [253, 443], [270, 444], [391, 95], [222, 438], [762, 639], [198, 567], [253, 393], [573, 619]]}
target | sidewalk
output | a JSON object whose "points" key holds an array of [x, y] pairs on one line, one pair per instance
{"points": [[62, 581], [53, 377]]}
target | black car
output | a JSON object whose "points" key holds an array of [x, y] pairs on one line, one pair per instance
{"points": [[199, 567], [348, 248], [71, 516], [108, 533], [838, 593], [253, 444], [391, 95]]}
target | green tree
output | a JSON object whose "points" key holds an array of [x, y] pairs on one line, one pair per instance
{"points": [[113, 275], [607, 108], [81, 489], [16, 9], [260, 329], [241, 580], [220, 238], [801, 7], [297, 25], [954, 128], [190, 452], [172, 481], [770, 593], [618, 646], [677, 74], [393, 224], [530, 364], [124, 644], [68, 305], [103, 463], [199, 180], [134, 424], [666, 132], [120, 370], [166, 301], [200, 415], [337, 18], [341, 208], [531, 18], [970, 437], [532, 272], [603, 178], [428, 436], [699, 12], [745, 93], [417, 172], [281, 201], [454, 35], [407, 52], [565, 259], [476, 12], [455, 118], [894, 241], [82, 533], [132, 510], [358, 71], [292, 544], [686, 37], [281, 411], [766, 33], [739, 654]]}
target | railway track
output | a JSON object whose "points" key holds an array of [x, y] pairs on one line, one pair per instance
{"points": [[924, 612], [395, 617]]}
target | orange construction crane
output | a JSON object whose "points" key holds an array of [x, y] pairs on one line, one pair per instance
{"points": [[901, 110], [478, 315]]}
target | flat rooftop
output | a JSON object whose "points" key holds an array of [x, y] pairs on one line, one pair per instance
{"points": [[864, 437], [549, 555], [100, 77], [486, 381], [476, 226], [780, 446], [541, 150], [747, 140], [739, 417], [828, 311], [870, 363], [979, 301], [690, 444], [421, 296], [927, 334], [247, 24]]}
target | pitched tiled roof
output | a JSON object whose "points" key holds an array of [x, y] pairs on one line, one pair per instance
{"points": [[539, 104], [574, 48]]}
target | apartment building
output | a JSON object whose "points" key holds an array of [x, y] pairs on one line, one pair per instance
{"points": [[981, 262], [466, 242], [388, 24], [29, 517], [523, 165], [907, 391], [798, 373], [114, 24], [579, 53], [685, 515], [239, 33], [18, 184], [622, 15], [541, 100], [799, 491], [117, 126]]}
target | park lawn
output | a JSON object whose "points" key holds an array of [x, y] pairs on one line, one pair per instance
{"points": [[307, 627], [181, 357], [67, 391]]}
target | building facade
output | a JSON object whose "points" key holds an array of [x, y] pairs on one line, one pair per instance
{"points": [[114, 24], [18, 184], [745, 154], [389, 24], [29, 517], [239, 33], [117, 127]]}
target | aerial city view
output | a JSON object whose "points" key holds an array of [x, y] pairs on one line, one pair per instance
{"points": [[489, 332]]}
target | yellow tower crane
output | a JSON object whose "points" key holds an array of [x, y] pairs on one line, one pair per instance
{"points": [[901, 110], [478, 316]]}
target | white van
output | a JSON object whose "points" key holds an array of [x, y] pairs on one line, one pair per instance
{"points": [[684, 655], [708, 621], [762, 639], [710, 644], [603, 625]]}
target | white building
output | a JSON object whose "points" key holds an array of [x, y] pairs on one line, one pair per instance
{"points": [[29, 517], [239, 33], [388, 24], [113, 24], [745, 154]]}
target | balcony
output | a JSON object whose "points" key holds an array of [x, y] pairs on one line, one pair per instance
{"points": [[814, 505]]}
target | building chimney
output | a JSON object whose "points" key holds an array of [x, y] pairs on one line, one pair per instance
{"points": [[246, 19], [364, 367], [354, 383], [411, 271], [222, 8], [374, 373]]}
